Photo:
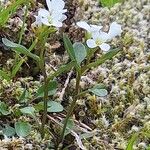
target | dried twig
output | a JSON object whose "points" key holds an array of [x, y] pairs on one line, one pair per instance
{"points": [[80, 123], [79, 128], [65, 86]]}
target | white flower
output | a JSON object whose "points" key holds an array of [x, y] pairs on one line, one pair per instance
{"points": [[114, 30], [100, 38], [89, 28], [54, 16]]}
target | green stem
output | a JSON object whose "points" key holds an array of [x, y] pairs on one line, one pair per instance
{"points": [[21, 32], [71, 108], [17, 66], [45, 99], [100, 60], [90, 54], [82, 93], [61, 70]]}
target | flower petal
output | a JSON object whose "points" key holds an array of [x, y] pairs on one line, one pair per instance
{"points": [[115, 29], [38, 20], [105, 47], [103, 36], [95, 28], [49, 5], [91, 43], [64, 17], [45, 21], [84, 25], [43, 12], [57, 5], [64, 10], [57, 23], [56, 16], [95, 35]]}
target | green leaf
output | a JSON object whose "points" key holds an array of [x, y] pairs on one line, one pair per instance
{"points": [[131, 142], [69, 47], [61, 70], [24, 96], [100, 86], [101, 60], [4, 75], [28, 110], [52, 87], [109, 3], [39, 106], [9, 131], [99, 90], [5, 13], [54, 107], [80, 52], [16, 112], [148, 148], [70, 126], [22, 128], [3, 109], [20, 49], [16, 68], [19, 63]]}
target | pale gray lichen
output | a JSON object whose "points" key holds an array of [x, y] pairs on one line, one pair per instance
{"points": [[127, 75], [126, 108]]}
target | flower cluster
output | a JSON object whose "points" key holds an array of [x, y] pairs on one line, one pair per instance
{"points": [[99, 38], [54, 16]]}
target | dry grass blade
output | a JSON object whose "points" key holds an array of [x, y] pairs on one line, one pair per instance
{"points": [[65, 86]]}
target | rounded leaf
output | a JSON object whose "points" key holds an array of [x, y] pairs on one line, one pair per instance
{"points": [[54, 106], [80, 52], [99, 90], [9, 131], [22, 128], [52, 87], [28, 110], [4, 109]]}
